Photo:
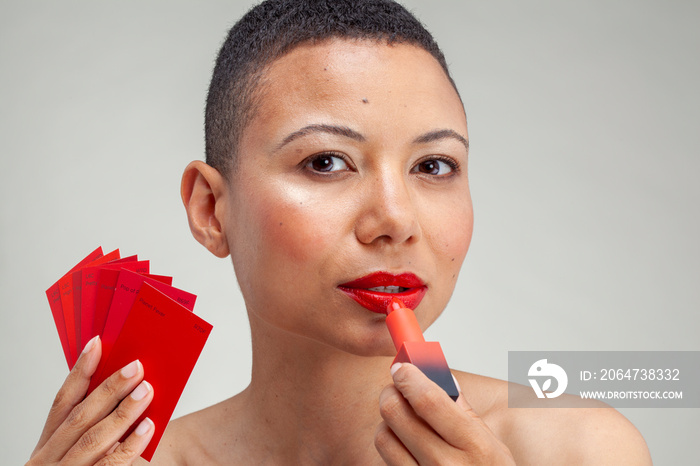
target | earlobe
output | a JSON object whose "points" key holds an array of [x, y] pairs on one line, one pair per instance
{"points": [[203, 192]]}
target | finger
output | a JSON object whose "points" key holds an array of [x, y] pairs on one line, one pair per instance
{"points": [[73, 389], [91, 410], [456, 423], [97, 441], [414, 433], [468, 410], [132, 447], [390, 448], [112, 448]]}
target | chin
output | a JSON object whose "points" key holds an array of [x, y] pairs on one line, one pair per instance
{"points": [[365, 342], [374, 341]]}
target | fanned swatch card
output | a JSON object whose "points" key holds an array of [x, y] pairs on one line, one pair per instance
{"points": [[138, 316]]}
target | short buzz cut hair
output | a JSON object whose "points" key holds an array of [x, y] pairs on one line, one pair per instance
{"points": [[273, 28]]}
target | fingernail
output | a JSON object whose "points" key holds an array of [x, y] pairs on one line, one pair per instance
{"points": [[456, 383], [143, 428], [395, 367], [90, 344], [131, 369], [141, 391]]}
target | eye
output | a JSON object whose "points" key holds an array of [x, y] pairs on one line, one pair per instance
{"points": [[435, 167], [325, 163]]}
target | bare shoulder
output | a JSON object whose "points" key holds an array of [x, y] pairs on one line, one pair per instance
{"points": [[583, 432], [189, 439]]}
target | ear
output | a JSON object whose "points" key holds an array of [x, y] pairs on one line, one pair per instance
{"points": [[204, 193]]}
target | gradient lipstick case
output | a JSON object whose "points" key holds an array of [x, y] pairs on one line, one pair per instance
{"points": [[412, 347]]}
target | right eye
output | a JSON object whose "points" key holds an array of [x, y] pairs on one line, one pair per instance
{"points": [[326, 163]]}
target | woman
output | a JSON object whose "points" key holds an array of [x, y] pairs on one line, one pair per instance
{"points": [[336, 176]]}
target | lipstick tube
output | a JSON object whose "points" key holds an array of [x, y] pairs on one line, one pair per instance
{"points": [[412, 347]]}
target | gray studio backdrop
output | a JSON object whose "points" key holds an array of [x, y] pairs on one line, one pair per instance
{"points": [[584, 164]]}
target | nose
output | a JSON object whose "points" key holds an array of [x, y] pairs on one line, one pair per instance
{"points": [[389, 214]]}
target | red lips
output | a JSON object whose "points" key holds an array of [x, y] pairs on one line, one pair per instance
{"points": [[377, 301]]}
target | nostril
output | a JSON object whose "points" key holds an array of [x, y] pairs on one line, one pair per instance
{"points": [[388, 214], [375, 229]]}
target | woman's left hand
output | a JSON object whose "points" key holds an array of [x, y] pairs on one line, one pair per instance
{"points": [[422, 425]]}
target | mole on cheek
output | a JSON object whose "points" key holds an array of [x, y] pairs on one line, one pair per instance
{"points": [[365, 101]]}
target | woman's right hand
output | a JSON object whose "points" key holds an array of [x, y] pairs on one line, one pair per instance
{"points": [[86, 431]]}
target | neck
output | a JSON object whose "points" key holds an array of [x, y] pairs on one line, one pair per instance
{"points": [[320, 404]]}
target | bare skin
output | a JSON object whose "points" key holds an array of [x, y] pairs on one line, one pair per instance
{"points": [[388, 123], [581, 436]]}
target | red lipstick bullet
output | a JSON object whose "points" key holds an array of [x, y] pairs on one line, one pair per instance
{"points": [[412, 347]]}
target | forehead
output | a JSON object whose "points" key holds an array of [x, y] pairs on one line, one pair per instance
{"points": [[366, 85]]}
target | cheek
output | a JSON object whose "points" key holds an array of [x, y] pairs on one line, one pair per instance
{"points": [[451, 228], [462, 235], [447, 228], [451, 235], [285, 244], [287, 231]]}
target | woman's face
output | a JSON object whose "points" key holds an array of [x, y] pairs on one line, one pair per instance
{"points": [[355, 163]]}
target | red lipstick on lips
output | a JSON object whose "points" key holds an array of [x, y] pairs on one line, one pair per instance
{"points": [[375, 291], [412, 347]]}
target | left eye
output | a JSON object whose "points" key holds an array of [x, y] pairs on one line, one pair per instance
{"points": [[433, 167], [327, 163]]}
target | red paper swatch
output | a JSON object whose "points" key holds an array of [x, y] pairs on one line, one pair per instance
{"points": [[70, 296], [138, 316], [129, 285], [168, 355], [106, 285], [54, 296], [88, 301]]}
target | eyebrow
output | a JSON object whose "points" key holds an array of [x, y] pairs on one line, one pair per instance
{"points": [[430, 136], [321, 128], [439, 134]]}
